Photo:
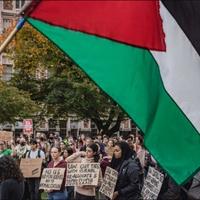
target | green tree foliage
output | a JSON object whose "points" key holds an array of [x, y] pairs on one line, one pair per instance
{"points": [[67, 90], [14, 104]]}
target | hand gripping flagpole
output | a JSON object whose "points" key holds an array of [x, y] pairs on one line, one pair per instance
{"points": [[16, 29]]}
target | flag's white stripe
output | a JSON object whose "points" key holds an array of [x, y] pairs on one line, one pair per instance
{"points": [[180, 68]]}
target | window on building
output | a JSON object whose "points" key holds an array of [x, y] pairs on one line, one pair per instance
{"points": [[1, 70], [6, 23], [52, 125], [63, 128], [8, 4], [19, 3], [7, 72], [74, 124], [86, 124], [93, 125]]}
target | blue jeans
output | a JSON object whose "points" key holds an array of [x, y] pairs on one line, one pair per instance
{"points": [[58, 195]]}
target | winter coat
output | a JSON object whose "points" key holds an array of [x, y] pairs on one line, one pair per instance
{"points": [[169, 190], [129, 184]]}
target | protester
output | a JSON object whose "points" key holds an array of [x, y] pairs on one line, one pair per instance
{"points": [[51, 139], [130, 141], [139, 148], [91, 155], [67, 152], [72, 145], [4, 150], [57, 162], [44, 145], [33, 183], [11, 180], [70, 189], [105, 140], [169, 190], [21, 149], [110, 148], [128, 185], [116, 152], [62, 147], [88, 141]]}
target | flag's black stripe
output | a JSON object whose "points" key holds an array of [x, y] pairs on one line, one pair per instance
{"points": [[187, 15]]}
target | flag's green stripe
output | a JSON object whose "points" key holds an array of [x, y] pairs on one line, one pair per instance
{"points": [[131, 77]]}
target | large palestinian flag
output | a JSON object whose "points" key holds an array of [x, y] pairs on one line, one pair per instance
{"points": [[145, 55]]}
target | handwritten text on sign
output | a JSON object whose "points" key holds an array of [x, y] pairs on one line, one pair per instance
{"points": [[31, 168], [109, 182], [152, 184], [82, 174], [52, 178]]}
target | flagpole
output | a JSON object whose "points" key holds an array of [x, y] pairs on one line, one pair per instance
{"points": [[17, 28], [12, 34]]}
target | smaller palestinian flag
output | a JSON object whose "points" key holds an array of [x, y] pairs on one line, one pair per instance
{"points": [[145, 55]]}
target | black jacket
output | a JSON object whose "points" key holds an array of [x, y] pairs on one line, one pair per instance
{"points": [[169, 190], [128, 183], [11, 189]]}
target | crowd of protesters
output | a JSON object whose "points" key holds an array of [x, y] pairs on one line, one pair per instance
{"points": [[126, 155]]}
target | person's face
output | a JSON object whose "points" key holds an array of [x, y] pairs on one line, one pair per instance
{"points": [[110, 143], [56, 142], [22, 142], [130, 142], [65, 154], [55, 154], [82, 137], [33, 146], [72, 145], [62, 145], [88, 141], [99, 137], [137, 141], [38, 141], [89, 152], [115, 140], [117, 152], [51, 136], [105, 140]]}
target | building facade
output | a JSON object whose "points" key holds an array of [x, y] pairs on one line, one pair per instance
{"points": [[8, 18]]}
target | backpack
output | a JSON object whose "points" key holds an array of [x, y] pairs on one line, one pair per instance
{"points": [[38, 155], [28, 153]]}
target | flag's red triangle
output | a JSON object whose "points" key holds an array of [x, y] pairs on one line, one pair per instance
{"points": [[132, 22]]}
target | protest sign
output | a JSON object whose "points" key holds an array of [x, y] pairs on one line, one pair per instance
{"points": [[52, 178], [152, 184], [28, 126], [6, 136], [82, 174], [109, 182], [31, 168]]}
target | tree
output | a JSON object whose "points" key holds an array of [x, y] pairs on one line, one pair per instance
{"points": [[14, 104], [67, 90]]}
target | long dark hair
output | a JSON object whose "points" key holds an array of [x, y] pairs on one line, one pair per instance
{"points": [[9, 169], [95, 149], [127, 153]]}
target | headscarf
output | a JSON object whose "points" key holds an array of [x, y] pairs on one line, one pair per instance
{"points": [[127, 153]]}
